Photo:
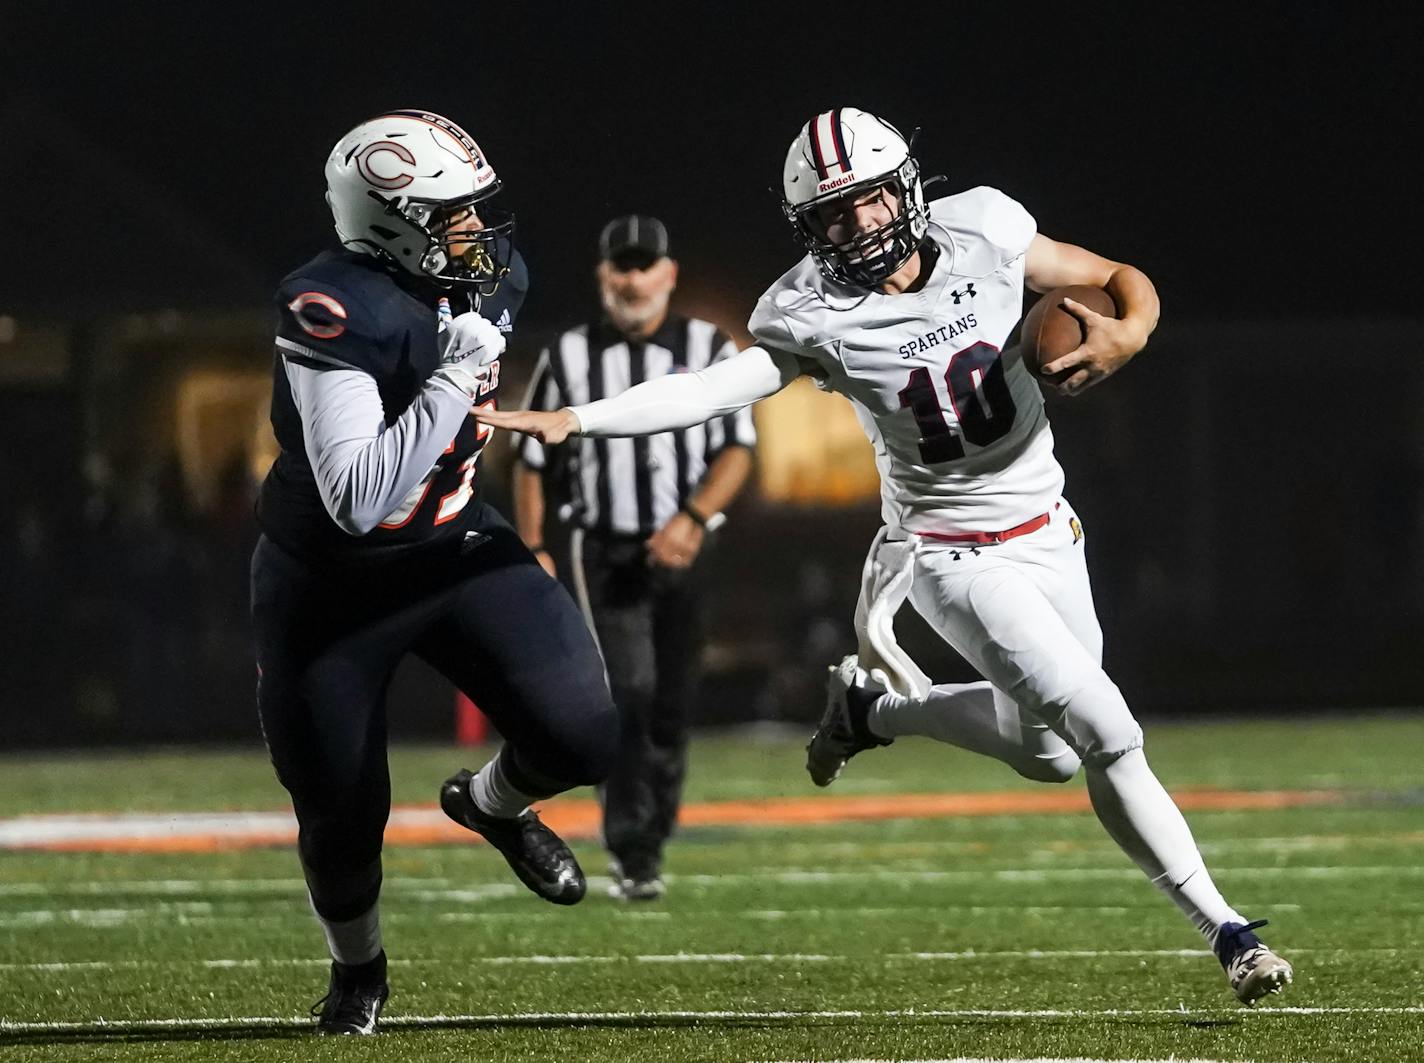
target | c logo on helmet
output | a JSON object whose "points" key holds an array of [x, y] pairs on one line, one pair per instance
{"points": [[378, 171]]}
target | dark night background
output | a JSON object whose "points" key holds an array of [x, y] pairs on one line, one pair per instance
{"points": [[1259, 475], [1257, 162]]}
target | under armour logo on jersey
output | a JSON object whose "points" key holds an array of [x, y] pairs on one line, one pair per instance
{"points": [[504, 324], [968, 293]]}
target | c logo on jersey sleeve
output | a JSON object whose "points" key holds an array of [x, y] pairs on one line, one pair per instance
{"points": [[319, 315]]}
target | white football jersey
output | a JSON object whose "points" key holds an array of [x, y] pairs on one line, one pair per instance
{"points": [[960, 435]]}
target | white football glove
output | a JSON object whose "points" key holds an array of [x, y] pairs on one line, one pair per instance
{"points": [[471, 343]]}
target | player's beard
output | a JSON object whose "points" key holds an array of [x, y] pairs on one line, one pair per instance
{"points": [[633, 316]]}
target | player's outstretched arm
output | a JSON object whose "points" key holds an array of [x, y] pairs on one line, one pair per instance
{"points": [[1109, 343], [547, 426], [676, 401]]}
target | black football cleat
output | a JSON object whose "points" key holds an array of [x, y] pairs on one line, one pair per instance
{"points": [[1253, 970], [844, 730], [536, 854], [353, 1001]]}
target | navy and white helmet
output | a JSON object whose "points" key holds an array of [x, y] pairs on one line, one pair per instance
{"points": [[396, 182], [849, 152]]}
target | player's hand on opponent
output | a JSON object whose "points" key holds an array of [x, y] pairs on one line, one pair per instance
{"points": [[471, 344], [676, 543], [1108, 345], [547, 427]]}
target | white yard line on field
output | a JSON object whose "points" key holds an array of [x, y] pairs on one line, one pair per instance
{"points": [[119, 1026], [678, 958], [816, 876], [1055, 849], [25, 831], [181, 886], [431, 889], [488, 891], [99, 918], [522, 917]]}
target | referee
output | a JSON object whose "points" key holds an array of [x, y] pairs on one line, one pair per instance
{"points": [[642, 510]]}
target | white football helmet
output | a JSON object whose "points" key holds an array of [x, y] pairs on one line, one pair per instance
{"points": [[849, 152], [396, 183]]}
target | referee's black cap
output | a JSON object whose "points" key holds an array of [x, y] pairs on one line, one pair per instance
{"points": [[634, 241]]}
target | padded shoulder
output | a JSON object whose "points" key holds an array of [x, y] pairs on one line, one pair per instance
{"points": [[784, 317], [984, 219], [331, 312]]}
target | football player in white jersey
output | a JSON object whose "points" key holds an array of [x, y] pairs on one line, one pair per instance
{"points": [[906, 309]]}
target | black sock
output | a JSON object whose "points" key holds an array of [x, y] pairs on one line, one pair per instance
{"points": [[373, 970]]}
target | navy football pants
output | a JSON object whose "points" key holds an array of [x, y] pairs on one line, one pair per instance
{"points": [[328, 640]]}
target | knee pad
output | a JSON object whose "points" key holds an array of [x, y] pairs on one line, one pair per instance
{"points": [[1097, 723], [345, 893], [597, 751], [580, 752], [341, 861]]}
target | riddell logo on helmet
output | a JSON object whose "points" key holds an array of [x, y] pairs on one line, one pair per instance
{"points": [[836, 182]]}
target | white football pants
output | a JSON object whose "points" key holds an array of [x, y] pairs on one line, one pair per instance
{"points": [[1021, 612]]}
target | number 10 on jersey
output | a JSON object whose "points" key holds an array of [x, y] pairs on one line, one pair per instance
{"points": [[979, 395]]}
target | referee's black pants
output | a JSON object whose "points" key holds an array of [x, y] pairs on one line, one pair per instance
{"points": [[649, 626], [328, 640]]}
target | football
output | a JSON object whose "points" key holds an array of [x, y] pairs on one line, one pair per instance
{"points": [[1049, 331]]}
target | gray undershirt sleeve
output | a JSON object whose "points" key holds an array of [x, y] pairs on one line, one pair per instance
{"points": [[364, 468]]}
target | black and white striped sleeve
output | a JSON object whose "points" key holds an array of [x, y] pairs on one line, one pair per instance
{"points": [[544, 394]]}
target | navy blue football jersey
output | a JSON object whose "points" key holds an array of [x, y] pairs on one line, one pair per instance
{"points": [[347, 308]]}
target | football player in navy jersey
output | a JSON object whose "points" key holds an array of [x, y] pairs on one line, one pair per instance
{"points": [[375, 542]]}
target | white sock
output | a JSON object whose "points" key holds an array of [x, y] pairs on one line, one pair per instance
{"points": [[495, 795], [356, 940], [967, 715], [961, 714], [1144, 820]]}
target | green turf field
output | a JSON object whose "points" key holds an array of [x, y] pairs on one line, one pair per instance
{"points": [[1004, 937]]}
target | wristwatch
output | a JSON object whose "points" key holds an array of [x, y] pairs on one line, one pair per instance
{"points": [[710, 523]]}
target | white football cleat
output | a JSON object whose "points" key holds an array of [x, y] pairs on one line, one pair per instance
{"points": [[644, 884], [1253, 970]]}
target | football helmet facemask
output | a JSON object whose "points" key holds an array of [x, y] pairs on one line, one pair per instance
{"points": [[850, 153], [400, 185]]}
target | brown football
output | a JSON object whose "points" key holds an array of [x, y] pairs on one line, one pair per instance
{"points": [[1049, 331]]}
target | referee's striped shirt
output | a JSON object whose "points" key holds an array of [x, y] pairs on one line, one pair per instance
{"points": [[631, 486]]}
